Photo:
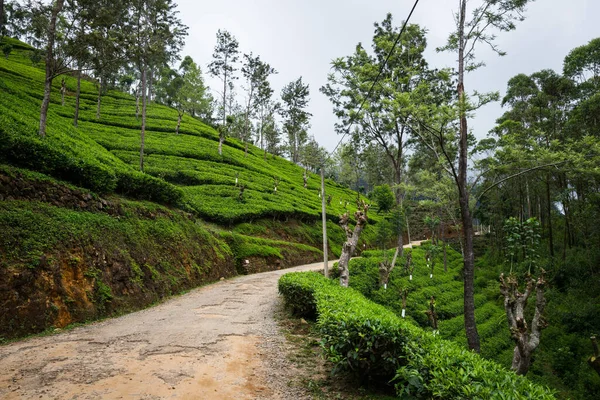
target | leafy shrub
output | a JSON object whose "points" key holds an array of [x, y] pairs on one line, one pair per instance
{"points": [[384, 197], [145, 187], [373, 343], [31, 151], [298, 290]]}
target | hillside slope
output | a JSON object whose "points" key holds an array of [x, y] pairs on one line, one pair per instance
{"points": [[85, 234], [184, 170]]}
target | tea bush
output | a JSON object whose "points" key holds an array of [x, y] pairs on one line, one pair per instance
{"points": [[370, 341]]}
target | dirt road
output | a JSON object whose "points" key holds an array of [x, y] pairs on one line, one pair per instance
{"points": [[217, 342]]}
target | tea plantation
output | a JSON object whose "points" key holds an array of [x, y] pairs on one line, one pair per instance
{"points": [[86, 234], [182, 170]]}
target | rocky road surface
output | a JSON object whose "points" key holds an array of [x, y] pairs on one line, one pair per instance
{"points": [[217, 342]]}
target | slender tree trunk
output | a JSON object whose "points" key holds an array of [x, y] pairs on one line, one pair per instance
{"points": [[247, 122], [49, 66], [224, 98], [352, 240], [262, 136], [529, 209], [137, 102], [549, 206], [467, 220], [63, 90], [221, 140], [398, 195], [179, 116], [143, 133], [443, 237], [324, 222], [150, 86], [1, 19], [99, 101], [77, 97]]}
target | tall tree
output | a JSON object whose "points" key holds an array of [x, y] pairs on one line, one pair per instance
{"points": [[487, 14], [107, 42], [266, 111], [52, 66], [385, 107], [270, 132], [256, 73], [225, 57], [311, 155], [295, 100], [157, 35], [194, 96]]}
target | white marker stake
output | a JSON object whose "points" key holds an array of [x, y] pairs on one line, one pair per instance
{"points": [[403, 313], [385, 286], [430, 276], [410, 278]]}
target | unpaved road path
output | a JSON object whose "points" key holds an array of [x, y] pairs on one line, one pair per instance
{"points": [[216, 342]]}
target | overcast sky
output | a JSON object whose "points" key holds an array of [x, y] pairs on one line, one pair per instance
{"points": [[301, 37]]}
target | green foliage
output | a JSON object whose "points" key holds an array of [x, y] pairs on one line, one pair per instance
{"points": [[384, 198], [145, 187], [298, 290], [183, 170], [7, 49], [371, 342], [522, 241]]}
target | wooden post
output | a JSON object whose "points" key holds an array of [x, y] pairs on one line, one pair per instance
{"points": [[324, 215]]}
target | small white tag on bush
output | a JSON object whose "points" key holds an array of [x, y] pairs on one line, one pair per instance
{"points": [[410, 278], [403, 313]]}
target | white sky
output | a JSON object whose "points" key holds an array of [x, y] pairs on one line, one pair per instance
{"points": [[301, 37]]}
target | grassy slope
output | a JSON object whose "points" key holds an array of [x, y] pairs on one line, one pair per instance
{"points": [[572, 378], [177, 226], [109, 148]]}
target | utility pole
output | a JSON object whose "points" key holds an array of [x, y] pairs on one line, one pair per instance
{"points": [[324, 214]]}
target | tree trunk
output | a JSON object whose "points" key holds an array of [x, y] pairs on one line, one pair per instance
{"points": [[385, 269], [467, 220], [77, 97], [179, 116], [352, 240], [398, 196], [1, 19], [594, 361], [49, 66], [143, 134], [526, 339], [549, 206], [443, 237], [63, 90], [137, 102], [324, 222], [224, 100], [398, 253], [221, 140], [99, 101], [247, 122], [150, 87]]}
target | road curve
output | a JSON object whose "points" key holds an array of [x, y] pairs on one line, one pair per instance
{"points": [[212, 343]]}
